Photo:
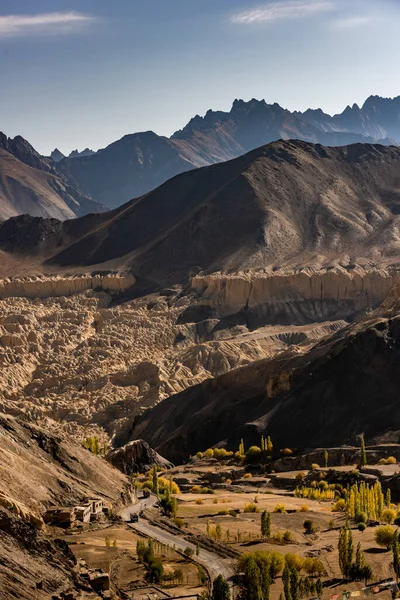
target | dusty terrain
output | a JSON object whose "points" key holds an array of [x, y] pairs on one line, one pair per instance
{"points": [[122, 562], [83, 362]]}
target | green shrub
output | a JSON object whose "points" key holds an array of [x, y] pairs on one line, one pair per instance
{"points": [[287, 536], [309, 526], [250, 508]]}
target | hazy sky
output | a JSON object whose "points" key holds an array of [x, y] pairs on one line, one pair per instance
{"points": [[77, 73]]}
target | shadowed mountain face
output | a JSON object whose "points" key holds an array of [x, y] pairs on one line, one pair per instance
{"points": [[344, 386], [139, 162], [285, 204], [30, 184]]}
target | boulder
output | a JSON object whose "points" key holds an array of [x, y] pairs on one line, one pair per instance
{"points": [[136, 457]]}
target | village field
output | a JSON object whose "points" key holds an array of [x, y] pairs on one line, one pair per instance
{"points": [[120, 560], [237, 514]]}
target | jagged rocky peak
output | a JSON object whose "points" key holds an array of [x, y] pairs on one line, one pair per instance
{"points": [[77, 153], [25, 152], [57, 155]]}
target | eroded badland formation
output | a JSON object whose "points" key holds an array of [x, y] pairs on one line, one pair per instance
{"points": [[256, 297]]}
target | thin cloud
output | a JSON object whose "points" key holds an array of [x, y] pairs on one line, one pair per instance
{"points": [[43, 24], [350, 22], [292, 9]]}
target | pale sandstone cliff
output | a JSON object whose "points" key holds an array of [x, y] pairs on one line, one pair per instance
{"points": [[299, 295], [47, 287]]}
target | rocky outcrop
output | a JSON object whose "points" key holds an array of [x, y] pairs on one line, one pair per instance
{"points": [[50, 287], [136, 457]]}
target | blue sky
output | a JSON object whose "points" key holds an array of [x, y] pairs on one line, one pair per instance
{"points": [[77, 73]]}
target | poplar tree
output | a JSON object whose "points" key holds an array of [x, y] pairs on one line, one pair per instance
{"points": [[345, 547], [294, 584], [396, 555], [265, 581], [286, 583], [363, 454], [266, 524], [269, 445], [155, 480]]}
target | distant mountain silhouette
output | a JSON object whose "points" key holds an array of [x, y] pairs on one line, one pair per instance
{"points": [[139, 162], [29, 183]]}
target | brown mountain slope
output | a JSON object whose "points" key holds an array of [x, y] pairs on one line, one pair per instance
{"points": [[40, 470], [285, 204], [29, 185], [346, 385]]}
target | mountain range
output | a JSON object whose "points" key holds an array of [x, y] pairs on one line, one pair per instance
{"points": [[137, 163], [287, 204]]}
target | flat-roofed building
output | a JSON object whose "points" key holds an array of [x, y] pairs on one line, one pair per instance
{"points": [[96, 508], [83, 513], [63, 516]]}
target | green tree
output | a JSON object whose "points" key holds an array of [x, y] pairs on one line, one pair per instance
{"points": [[266, 580], [294, 584], [218, 532], [396, 554], [221, 589], [318, 587], [363, 454], [345, 548], [155, 480], [286, 583], [265, 524]]}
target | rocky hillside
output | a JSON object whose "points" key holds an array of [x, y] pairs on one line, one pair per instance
{"points": [[288, 204], [32, 567], [344, 386], [30, 184], [138, 163], [42, 470]]}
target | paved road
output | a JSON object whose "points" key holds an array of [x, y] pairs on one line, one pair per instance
{"points": [[140, 505], [213, 563]]}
